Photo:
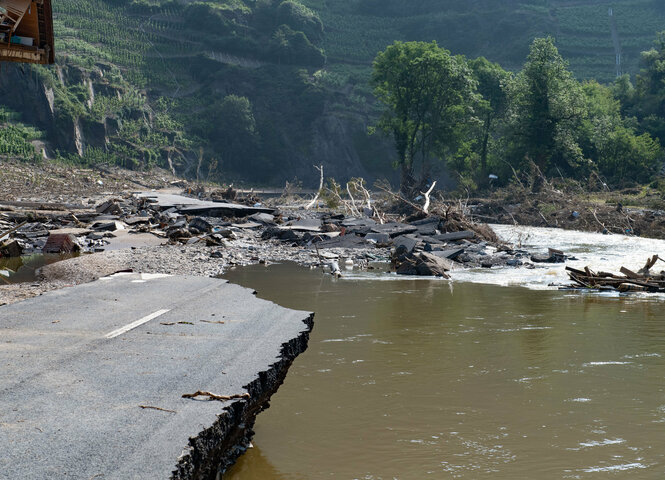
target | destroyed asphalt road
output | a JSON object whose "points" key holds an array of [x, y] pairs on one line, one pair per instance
{"points": [[78, 364]]}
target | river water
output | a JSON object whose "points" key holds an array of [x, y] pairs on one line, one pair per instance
{"points": [[478, 377]]}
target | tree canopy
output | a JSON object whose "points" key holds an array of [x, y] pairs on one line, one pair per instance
{"points": [[441, 107], [427, 93]]}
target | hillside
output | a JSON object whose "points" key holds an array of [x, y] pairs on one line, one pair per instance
{"points": [[586, 33], [260, 90]]}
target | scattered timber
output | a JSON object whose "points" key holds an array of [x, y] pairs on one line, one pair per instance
{"points": [[629, 281]]}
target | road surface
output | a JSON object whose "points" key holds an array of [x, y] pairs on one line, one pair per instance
{"points": [[77, 364]]}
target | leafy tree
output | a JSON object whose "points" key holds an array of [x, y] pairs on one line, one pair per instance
{"points": [[611, 141], [492, 86], [427, 93], [546, 110]]}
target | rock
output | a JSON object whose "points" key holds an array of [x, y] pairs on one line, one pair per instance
{"points": [[422, 263], [431, 265], [553, 256]]}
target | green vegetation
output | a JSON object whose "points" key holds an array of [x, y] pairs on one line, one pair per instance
{"points": [[426, 90], [263, 89], [16, 138], [551, 122]]}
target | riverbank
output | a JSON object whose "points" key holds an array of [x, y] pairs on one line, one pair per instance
{"points": [[636, 211]]}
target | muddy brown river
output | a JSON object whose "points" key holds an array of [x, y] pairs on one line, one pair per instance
{"points": [[413, 379]]}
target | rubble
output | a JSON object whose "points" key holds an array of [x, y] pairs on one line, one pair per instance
{"points": [[209, 237]]}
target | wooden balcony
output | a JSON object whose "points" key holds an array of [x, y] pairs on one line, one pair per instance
{"points": [[26, 31]]}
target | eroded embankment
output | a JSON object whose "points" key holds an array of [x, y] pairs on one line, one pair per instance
{"points": [[111, 372], [216, 448]]}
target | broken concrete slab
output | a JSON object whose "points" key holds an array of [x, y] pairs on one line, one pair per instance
{"points": [[280, 234], [200, 224], [394, 229], [70, 231], [407, 242], [110, 206], [247, 225], [303, 225], [262, 218], [353, 222], [193, 206], [427, 220], [421, 263], [450, 254], [431, 265], [452, 236], [427, 226], [135, 220], [122, 239], [343, 241], [381, 239], [111, 226]]}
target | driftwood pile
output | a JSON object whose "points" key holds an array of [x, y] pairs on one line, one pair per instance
{"points": [[641, 281]]}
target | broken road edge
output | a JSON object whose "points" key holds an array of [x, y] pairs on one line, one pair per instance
{"points": [[217, 448]]}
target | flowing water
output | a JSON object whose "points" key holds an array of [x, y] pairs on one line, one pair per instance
{"points": [[408, 378]]}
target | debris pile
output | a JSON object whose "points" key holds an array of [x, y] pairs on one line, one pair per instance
{"points": [[227, 234], [641, 281]]}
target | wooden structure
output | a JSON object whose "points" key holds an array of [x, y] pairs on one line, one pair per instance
{"points": [[26, 31]]}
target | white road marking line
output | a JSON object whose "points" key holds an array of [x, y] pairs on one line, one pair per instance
{"points": [[135, 324]]}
